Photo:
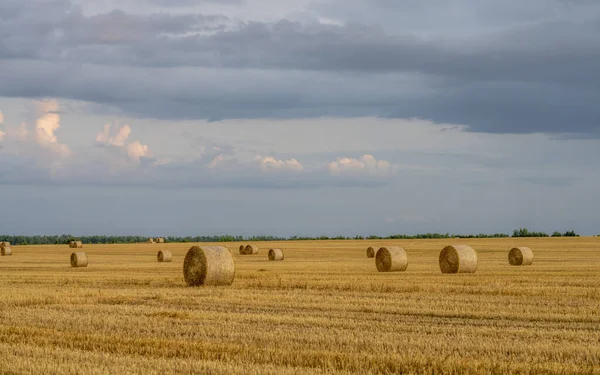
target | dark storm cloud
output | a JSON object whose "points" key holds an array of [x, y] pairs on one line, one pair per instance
{"points": [[552, 52], [188, 93], [513, 107], [58, 30], [534, 76]]}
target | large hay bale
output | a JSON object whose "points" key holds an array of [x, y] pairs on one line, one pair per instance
{"points": [[79, 259], [164, 256], [458, 259], [160, 240], [251, 249], [391, 259], [370, 252], [5, 243], [242, 248], [75, 244], [520, 256], [5, 251], [208, 265], [275, 254]]}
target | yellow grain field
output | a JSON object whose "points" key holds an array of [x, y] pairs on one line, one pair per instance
{"points": [[324, 309]]}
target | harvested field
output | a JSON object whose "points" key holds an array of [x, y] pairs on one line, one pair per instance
{"points": [[325, 309]]}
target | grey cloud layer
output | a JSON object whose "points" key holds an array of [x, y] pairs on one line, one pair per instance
{"points": [[550, 51], [535, 74], [184, 3]]}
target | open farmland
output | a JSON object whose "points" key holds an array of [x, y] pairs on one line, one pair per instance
{"points": [[324, 309]]}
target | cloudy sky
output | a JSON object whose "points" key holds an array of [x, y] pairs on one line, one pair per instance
{"points": [[299, 117]]}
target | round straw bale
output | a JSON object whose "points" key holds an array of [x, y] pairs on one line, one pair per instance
{"points": [[458, 259], [75, 244], [160, 240], [208, 265], [242, 248], [251, 249], [520, 256], [79, 259], [5, 250], [391, 259], [370, 252], [275, 254], [164, 256]]}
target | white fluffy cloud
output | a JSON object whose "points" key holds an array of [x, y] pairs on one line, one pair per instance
{"points": [[36, 139], [47, 124], [118, 140], [134, 150], [2, 134], [365, 164], [268, 163]]}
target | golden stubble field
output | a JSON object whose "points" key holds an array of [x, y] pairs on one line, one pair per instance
{"points": [[325, 309]]}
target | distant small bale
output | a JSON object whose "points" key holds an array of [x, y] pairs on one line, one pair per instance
{"points": [[79, 259], [391, 259], [242, 248], [250, 249], [5, 251], [5, 244], [160, 240], [520, 256], [275, 254], [208, 265], [150, 240], [370, 252], [164, 256], [75, 244], [458, 259]]}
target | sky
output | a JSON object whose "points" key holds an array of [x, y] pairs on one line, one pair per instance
{"points": [[299, 117]]}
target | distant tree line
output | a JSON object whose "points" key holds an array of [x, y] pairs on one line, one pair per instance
{"points": [[523, 232], [65, 238]]}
